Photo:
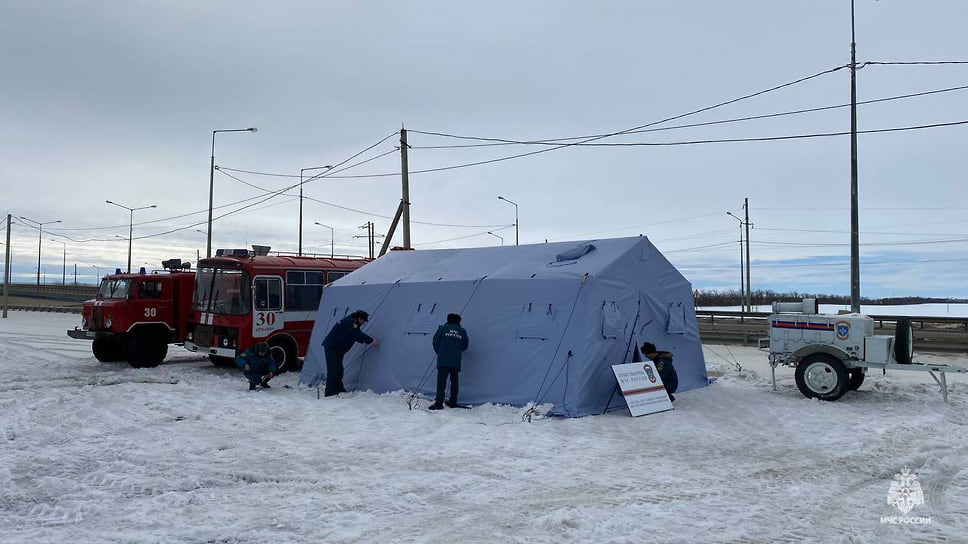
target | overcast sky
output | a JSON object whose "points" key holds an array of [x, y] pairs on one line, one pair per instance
{"points": [[117, 100]]}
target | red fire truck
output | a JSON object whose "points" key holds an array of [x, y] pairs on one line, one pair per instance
{"points": [[242, 298], [135, 316]]}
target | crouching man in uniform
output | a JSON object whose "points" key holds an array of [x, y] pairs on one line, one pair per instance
{"points": [[450, 341], [663, 363], [258, 365]]}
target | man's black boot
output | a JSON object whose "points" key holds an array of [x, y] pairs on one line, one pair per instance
{"points": [[436, 406]]}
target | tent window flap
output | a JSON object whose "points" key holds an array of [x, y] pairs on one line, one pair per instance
{"points": [[611, 320], [677, 318], [424, 319], [536, 321]]}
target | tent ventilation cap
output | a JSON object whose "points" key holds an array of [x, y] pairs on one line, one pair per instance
{"points": [[575, 253]]}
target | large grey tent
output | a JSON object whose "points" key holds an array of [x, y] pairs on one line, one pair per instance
{"points": [[545, 321]]}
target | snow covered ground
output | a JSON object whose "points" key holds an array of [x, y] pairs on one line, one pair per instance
{"points": [[93, 452]]}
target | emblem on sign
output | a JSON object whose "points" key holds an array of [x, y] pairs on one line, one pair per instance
{"points": [[649, 372], [843, 330]]}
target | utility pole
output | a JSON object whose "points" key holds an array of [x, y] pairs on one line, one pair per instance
{"points": [[854, 219], [742, 296], [749, 294], [405, 174], [369, 235], [6, 269]]}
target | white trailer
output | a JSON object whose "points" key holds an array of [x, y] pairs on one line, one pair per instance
{"points": [[832, 353]]}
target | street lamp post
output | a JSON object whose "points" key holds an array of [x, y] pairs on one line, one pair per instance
{"points": [[516, 241], [211, 183], [97, 269], [130, 224], [742, 296], [40, 227], [301, 171], [64, 273], [499, 236], [331, 243]]}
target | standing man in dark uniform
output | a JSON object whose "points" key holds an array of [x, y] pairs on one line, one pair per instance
{"points": [[339, 341], [450, 341]]}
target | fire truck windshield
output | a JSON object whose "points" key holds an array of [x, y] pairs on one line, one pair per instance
{"points": [[221, 290], [113, 288]]}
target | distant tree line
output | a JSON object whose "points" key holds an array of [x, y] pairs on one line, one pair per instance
{"points": [[765, 297]]}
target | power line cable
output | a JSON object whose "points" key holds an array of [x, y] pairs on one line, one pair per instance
{"points": [[923, 62], [672, 118], [770, 138], [463, 237], [553, 141]]}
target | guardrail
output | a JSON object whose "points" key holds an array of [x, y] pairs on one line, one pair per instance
{"points": [[67, 293], [930, 333]]}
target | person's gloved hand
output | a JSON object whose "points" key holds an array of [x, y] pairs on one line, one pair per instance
{"points": [[246, 367], [268, 376]]}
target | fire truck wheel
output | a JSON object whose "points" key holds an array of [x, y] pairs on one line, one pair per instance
{"points": [[108, 349], [146, 349], [281, 358], [221, 361], [904, 341], [292, 359], [822, 376], [285, 352], [856, 378]]}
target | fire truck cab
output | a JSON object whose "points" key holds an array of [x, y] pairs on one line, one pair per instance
{"points": [[242, 298], [135, 316]]}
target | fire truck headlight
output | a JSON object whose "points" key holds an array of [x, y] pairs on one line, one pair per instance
{"points": [[190, 336], [108, 322], [225, 342], [84, 322]]}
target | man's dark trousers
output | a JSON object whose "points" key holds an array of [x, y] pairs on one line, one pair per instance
{"points": [[334, 372], [442, 374]]}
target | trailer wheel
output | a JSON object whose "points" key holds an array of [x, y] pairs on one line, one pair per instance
{"points": [[822, 376], [857, 378], [904, 341], [108, 349], [146, 349]]}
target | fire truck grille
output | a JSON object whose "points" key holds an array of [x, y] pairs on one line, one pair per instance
{"points": [[203, 335], [97, 318]]}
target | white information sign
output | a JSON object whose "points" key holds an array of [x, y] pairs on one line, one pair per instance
{"points": [[642, 388]]}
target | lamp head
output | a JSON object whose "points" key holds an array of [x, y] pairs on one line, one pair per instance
{"points": [[252, 129]]}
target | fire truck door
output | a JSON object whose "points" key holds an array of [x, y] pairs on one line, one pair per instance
{"points": [[267, 314]]}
